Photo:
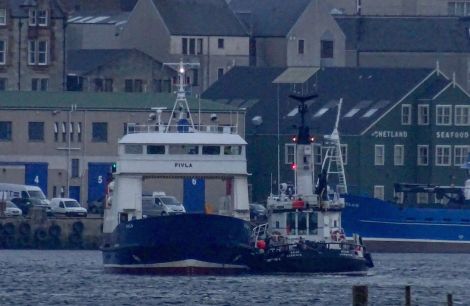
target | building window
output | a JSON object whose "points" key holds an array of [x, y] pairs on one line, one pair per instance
{"points": [[71, 131], [98, 84], [56, 131], [460, 155], [300, 46], [64, 131], [42, 18], [317, 154], [458, 8], [5, 130], [100, 132], [423, 155], [443, 156], [379, 192], [443, 114], [423, 114], [220, 43], [462, 115], [199, 46], [133, 85], [220, 73], [326, 49], [108, 85], [406, 114], [3, 16], [184, 45], [344, 153], [289, 151], [37, 52], [39, 84], [75, 167], [32, 17], [379, 156], [36, 131], [79, 131], [3, 84], [399, 155], [3, 52]]}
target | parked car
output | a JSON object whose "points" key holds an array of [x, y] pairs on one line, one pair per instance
{"points": [[26, 204], [68, 207], [258, 212], [96, 206], [159, 204], [12, 210]]}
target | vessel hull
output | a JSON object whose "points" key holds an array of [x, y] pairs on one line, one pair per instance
{"points": [[179, 244], [389, 227]]}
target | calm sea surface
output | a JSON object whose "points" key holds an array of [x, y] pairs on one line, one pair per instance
{"points": [[76, 278]]}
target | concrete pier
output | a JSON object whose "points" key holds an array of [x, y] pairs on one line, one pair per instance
{"points": [[37, 231]]}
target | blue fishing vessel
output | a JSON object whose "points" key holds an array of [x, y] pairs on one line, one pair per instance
{"points": [[204, 241], [423, 218]]}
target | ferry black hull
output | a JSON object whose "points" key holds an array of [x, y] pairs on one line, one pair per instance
{"points": [[328, 261], [179, 244]]}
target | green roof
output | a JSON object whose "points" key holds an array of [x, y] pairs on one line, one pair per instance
{"points": [[101, 101]]}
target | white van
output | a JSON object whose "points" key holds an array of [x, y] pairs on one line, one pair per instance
{"points": [[159, 204], [68, 207], [24, 196]]}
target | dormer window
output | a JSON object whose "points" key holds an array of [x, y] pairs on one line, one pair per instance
{"points": [[37, 17], [3, 16]]}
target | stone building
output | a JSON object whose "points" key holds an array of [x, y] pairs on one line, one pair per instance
{"points": [[32, 45]]}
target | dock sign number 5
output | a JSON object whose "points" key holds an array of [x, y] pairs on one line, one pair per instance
{"points": [[100, 179]]}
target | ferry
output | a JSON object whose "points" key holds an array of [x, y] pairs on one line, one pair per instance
{"points": [[304, 231], [423, 218], [201, 241]]}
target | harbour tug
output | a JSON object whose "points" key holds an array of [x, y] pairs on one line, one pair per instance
{"points": [[303, 232]]}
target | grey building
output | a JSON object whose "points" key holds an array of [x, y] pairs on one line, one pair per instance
{"points": [[122, 70], [69, 139], [32, 45], [291, 33], [200, 31], [409, 42], [396, 125]]}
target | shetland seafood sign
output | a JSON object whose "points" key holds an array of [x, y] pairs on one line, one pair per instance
{"points": [[389, 134]]}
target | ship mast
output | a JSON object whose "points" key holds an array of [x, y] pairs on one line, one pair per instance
{"points": [[181, 101]]}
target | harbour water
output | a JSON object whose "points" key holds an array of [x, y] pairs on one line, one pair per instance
{"points": [[38, 277]]}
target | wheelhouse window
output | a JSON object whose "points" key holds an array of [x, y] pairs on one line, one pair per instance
{"points": [[99, 132], [443, 115], [423, 114], [183, 149], [423, 155], [155, 149], [399, 155], [36, 131], [5, 130], [133, 149], [406, 114], [232, 150], [379, 192], [443, 155], [210, 150], [379, 156], [289, 153], [462, 115]]}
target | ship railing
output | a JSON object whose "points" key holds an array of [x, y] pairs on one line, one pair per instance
{"points": [[155, 128], [306, 245]]}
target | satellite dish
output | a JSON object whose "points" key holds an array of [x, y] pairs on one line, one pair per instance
{"points": [[257, 120]]}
